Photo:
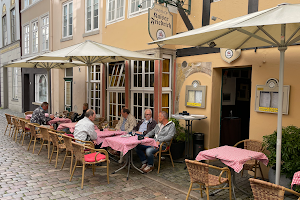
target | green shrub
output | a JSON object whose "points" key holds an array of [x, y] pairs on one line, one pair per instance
{"points": [[180, 131]]}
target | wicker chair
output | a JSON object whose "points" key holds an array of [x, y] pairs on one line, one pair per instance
{"points": [[17, 127], [46, 140], [98, 122], [113, 123], [166, 152], [95, 157], [28, 113], [56, 144], [199, 174], [34, 134], [9, 123], [252, 145], [268, 191], [25, 130]]}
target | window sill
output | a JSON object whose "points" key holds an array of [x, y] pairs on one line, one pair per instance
{"points": [[15, 100], [90, 33], [36, 103], [66, 38], [135, 14], [114, 21]]}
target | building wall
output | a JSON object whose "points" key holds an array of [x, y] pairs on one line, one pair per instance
{"points": [[10, 52]]}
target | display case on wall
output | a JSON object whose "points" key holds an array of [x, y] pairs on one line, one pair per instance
{"points": [[267, 97], [195, 95]]}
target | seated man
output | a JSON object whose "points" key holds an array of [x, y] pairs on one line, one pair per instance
{"points": [[145, 125], [127, 121], [85, 128], [38, 115], [163, 132], [85, 108]]}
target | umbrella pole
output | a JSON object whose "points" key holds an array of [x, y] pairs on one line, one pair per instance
{"points": [[89, 85], [280, 100], [49, 92]]}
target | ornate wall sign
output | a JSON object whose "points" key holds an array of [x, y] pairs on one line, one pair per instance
{"points": [[230, 55], [160, 22]]}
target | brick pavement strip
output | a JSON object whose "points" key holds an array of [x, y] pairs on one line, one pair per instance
{"points": [[24, 175]]}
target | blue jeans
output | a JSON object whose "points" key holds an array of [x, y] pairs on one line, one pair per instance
{"points": [[150, 151]]}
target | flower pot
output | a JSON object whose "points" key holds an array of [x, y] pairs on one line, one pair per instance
{"points": [[177, 150], [284, 181]]}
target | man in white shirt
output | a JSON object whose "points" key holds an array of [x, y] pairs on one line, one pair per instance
{"points": [[85, 128]]}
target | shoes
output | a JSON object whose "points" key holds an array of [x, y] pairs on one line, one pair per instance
{"points": [[162, 158], [113, 152], [148, 169], [143, 166]]}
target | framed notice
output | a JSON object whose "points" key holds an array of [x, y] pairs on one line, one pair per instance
{"points": [[267, 97], [195, 95]]}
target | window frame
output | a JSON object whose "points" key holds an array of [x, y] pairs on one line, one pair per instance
{"points": [[13, 25], [26, 3], [36, 87], [15, 83], [45, 26], [118, 115], [37, 36], [143, 73], [115, 17], [168, 89], [94, 82], [121, 66], [67, 4], [92, 16], [28, 39], [140, 11], [170, 101]]}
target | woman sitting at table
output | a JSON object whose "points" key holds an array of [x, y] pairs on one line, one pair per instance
{"points": [[84, 109]]}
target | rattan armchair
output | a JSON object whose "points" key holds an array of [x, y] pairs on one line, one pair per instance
{"points": [[57, 144], [28, 113], [46, 140], [268, 191], [98, 122], [113, 123], [253, 145], [97, 156], [25, 130], [166, 152], [17, 127], [34, 134], [199, 173], [9, 123]]}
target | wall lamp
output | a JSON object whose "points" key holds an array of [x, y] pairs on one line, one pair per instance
{"points": [[215, 18]]}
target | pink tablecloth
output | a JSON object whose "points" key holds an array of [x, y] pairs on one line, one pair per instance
{"points": [[232, 156], [124, 144], [71, 126], [62, 120], [101, 135], [296, 179], [29, 116]]}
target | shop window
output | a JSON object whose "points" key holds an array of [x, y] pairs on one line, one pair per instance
{"points": [[68, 19], [91, 15], [35, 37], [45, 33], [15, 83], [41, 89], [116, 101], [95, 75], [26, 39], [115, 10]]}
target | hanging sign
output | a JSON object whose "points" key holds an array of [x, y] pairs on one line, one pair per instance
{"points": [[229, 55], [160, 22]]}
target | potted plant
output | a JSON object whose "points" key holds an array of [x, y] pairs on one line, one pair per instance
{"points": [[178, 143], [290, 153]]}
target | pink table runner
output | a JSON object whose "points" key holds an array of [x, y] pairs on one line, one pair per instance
{"points": [[62, 120], [296, 179], [29, 116], [71, 126], [101, 135], [124, 144], [232, 156]]}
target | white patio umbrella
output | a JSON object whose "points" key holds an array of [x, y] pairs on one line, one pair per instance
{"points": [[278, 27], [91, 53], [46, 64]]}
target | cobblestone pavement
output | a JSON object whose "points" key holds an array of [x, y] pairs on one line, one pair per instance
{"points": [[24, 175]]}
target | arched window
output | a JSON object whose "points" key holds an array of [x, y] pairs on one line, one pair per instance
{"points": [[41, 93]]}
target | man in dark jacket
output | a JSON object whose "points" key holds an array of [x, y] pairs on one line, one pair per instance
{"points": [[145, 125], [85, 108], [38, 115]]}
